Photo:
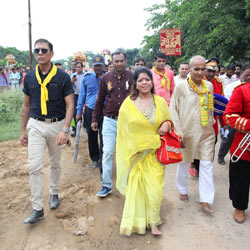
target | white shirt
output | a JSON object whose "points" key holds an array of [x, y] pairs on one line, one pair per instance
{"points": [[228, 90], [226, 80], [178, 79], [78, 82]]}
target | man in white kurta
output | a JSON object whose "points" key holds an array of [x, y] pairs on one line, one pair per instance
{"points": [[197, 138]]}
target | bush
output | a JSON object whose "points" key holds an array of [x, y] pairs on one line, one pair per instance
{"points": [[10, 114], [10, 105]]}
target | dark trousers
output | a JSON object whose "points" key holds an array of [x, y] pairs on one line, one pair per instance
{"points": [[95, 152], [226, 143], [74, 117], [239, 180]]}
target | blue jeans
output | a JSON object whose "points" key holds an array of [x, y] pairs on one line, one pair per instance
{"points": [[109, 129]]}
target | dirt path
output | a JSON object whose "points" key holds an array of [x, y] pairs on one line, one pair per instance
{"points": [[97, 220]]}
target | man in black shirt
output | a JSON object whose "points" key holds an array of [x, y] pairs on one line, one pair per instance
{"points": [[47, 111]]}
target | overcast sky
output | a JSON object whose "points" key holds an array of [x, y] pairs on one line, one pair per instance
{"points": [[75, 25]]}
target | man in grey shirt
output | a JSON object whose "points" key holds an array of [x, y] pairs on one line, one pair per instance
{"points": [[76, 79]]}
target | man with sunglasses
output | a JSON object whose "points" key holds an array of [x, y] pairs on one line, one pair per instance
{"points": [[47, 111]]}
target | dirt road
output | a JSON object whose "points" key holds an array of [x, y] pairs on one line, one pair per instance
{"points": [[85, 222]]}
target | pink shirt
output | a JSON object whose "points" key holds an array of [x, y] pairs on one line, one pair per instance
{"points": [[166, 94]]}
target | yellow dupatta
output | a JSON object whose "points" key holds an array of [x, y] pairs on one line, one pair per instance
{"points": [[204, 106], [135, 136], [165, 82], [44, 90]]}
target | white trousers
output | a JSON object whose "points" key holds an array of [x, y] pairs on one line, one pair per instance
{"points": [[206, 183], [40, 135]]}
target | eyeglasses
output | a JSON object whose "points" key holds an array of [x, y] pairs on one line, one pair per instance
{"points": [[44, 51]]}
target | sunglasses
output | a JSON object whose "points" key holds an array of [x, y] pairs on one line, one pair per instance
{"points": [[44, 51]]}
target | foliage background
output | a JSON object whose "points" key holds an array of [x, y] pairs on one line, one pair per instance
{"points": [[10, 114], [214, 28], [22, 57]]}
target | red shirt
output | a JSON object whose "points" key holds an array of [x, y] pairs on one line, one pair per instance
{"points": [[237, 115], [218, 89]]}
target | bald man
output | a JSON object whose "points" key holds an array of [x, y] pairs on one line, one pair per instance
{"points": [[191, 110]]}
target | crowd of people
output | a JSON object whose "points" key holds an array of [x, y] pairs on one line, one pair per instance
{"points": [[128, 110], [12, 77]]}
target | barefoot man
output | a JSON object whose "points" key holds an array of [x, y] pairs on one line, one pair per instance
{"points": [[191, 110]]}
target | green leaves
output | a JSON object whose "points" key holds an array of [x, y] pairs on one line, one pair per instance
{"points": [[211, 28], [10, 105], [22, 57]]}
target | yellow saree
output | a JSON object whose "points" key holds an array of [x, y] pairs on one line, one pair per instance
{"points": [[140, 177]]}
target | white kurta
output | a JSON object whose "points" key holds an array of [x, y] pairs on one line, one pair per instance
{"points": [[185, 113]]}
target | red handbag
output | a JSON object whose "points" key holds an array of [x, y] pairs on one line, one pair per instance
{"points": [[170, 149]]}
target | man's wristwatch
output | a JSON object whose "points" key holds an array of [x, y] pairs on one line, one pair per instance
{"points": [[65, 130]]}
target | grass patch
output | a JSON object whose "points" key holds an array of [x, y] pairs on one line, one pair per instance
{"points": [[10, 114]]}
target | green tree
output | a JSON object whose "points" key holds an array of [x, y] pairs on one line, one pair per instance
{"points": [[89, 57], [215, 28], [22, 57], [131, 55]]}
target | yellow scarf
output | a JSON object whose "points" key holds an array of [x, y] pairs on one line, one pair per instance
{"points": [[204, 107], [164, 79], [44, 90]]}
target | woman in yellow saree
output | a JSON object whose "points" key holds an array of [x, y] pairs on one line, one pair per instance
{"points": [[143, 117]]}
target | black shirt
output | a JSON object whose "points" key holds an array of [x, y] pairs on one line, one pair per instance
{"points": [[59, 87]]}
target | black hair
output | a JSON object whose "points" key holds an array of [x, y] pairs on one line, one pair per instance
{"points": [[245, 66], [139, 60], [118, 53], [78, 62], [238, 65], [149, 65], [58, 64], [214, 59], [230, 67], [135, 91], [41, 40], [184, 63], [160, 55]]}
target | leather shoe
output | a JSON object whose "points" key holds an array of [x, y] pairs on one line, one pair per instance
{"points": [[239, 215], [54, 201], [35, 216], [221, 161]]}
